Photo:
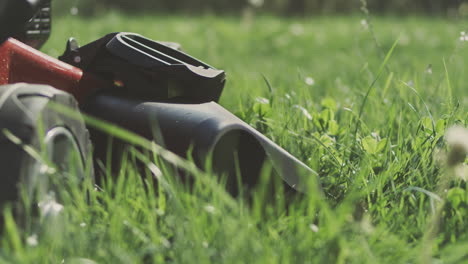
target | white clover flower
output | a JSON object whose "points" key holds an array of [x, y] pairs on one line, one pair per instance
{"points": [[256, 3], [45, 169], [457, 140], [304, 111], [50, 208], [463, 36], [364, 24], [296, 29], [262, 100], [210, 209], [74, 11], [314, 228], [457, 136], [78, 261], [32, 240], [366, 225], [429, 69], [309, 81], [461, 172]]}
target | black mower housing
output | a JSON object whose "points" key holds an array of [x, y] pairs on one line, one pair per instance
{"points": [[168, 96]]}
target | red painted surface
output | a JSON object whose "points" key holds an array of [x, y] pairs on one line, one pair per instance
{"points": [[22, 63]]}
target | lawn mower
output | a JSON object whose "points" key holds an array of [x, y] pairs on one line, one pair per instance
{"points": [[149, 87]]}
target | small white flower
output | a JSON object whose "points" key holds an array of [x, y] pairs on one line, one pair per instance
{"points": [[461, 172], [304, 111], [210, 209], [314, 228], [74, 11], [50, 208], [256, 3], [166, 243], [429, 69], [309, 81], [457, 136], [296, 29], [83, 224], [32, 240], [366, 225], [44, 169], [375, 135], [364, 24], [78, 261], [262, 100], [463, 36], [457, 140]]}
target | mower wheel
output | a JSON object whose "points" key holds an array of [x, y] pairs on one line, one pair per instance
{"points": [[40, 147]]}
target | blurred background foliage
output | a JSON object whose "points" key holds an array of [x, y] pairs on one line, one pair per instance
{"points": [[451, 8]]}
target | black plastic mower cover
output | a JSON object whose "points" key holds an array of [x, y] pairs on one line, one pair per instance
{"points": [[26, 20], [208, 128], [13, 15], [164, 94], [147, 68]]}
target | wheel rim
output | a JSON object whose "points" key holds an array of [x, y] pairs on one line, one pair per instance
{"points": [[63, 153]]}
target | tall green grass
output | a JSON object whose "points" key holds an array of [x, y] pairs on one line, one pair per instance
{"points": [[365, 104]]}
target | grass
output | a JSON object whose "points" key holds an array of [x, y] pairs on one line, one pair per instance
{"points": [[367, 110]]}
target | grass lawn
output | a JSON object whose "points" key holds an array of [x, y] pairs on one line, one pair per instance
{"points": [[367, 115]]}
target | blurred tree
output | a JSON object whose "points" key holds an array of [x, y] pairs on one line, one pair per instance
{"points": [[296, 7]]}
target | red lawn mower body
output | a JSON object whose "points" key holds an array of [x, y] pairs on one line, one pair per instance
{"points": [[22, 63]]}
